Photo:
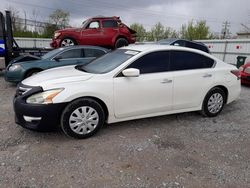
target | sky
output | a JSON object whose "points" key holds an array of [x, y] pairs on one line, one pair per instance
{"points": [[171, 13]]}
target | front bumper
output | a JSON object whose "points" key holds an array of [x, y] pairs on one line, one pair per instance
{"points": [[40, 117], [14, 76], [55, 43]]}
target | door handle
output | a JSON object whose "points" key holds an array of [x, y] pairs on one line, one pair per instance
{"points": [[166, 81], [207, 75]]}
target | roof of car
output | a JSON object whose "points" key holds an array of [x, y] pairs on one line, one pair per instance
{"points": [[146, 47], [149, 47], [106, 17], [85, 46]]}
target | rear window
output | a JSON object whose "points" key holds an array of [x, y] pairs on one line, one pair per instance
{"points": [[110, 24], [197, 46], [182, 60], [93, 52]]}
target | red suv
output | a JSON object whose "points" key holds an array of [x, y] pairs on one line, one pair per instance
{"points": [[99, 31]]}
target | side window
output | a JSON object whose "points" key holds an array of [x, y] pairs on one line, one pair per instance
{"points": [[94, 25], [182, 60], [152, 63], [110, 24], [76, 53], [93, 53]]}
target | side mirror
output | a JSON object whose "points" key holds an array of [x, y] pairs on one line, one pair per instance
{"points": [[58, 58], [131, 72]]}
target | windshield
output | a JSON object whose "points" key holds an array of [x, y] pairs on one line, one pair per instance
{"points": [[52, 53], [108, 62], [84, 23]]}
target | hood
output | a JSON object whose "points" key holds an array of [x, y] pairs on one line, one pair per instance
{"points": [[55, 76]]}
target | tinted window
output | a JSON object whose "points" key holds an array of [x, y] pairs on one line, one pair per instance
{"points": [[93, 53], [181, 60], [153, 62], [76, 53], [197, 46], [110, 23]]}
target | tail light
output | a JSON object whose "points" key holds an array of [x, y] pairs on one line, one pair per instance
{"points": [[247, 70], [236, 73]]}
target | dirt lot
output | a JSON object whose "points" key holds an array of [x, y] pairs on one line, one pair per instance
{"points": [[184, 150]]}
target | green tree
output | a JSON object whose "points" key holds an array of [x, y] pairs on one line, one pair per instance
{"points": [[140, 31], [59, 18], [195, 31], [158, 32]]}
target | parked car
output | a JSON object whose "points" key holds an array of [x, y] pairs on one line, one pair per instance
{"points": [[132, 82], [17, 71], [99, 31], [26, 57], [184, 43], [245, 73]]}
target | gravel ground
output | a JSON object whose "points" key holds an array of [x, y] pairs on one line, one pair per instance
{"points": [[183, 150]]}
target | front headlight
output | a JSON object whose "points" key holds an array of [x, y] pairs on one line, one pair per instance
{"points": [[44, 97], [14, 67], [57, 35]]}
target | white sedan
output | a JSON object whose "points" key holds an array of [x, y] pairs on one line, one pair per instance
{"points": [[132, 82]]}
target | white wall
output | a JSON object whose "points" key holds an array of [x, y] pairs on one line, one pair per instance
{"points": [[229, 50]]}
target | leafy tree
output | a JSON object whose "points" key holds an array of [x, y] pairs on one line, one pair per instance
{"points": [[140, 31], [195, 31], [59, 18], [158, 32]]}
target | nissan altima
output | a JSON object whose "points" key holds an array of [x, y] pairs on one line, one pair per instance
{"points": [[129, 83]]}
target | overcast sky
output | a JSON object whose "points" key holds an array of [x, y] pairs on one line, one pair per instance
{"points": [[171, 13]]}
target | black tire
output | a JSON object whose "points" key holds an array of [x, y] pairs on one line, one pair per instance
{"points": [[71, 42], [212, 112], [32, 72], [120, 42], [69, 112]]}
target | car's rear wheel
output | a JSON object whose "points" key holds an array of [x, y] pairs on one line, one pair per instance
{"points": [[82, 118], [120, 42], [214, 102], [68, 42]]}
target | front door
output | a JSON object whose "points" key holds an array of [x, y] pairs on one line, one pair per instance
{"points": [[149, 93]]}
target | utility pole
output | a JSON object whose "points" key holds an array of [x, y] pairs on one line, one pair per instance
{"points": [[25, 20], [225, 29]]}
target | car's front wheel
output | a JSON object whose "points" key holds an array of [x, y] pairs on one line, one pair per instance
{"points": [[214, 102], [68, 42], [82, 118]]}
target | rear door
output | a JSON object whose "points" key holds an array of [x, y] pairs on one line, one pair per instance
{"points": [[193, 75], [149, 93], [110, 30]]}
